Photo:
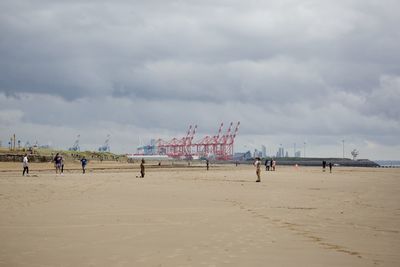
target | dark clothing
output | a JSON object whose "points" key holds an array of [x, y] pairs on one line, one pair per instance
{"points": [[84, 162], [58, 159], [142, 170], [267, 165], [26, 169], [58, 162]]}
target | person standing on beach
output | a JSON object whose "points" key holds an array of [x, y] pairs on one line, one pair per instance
{"points": [[323, 165], [83, 162], [330, 167], [25, 165], [273, 164], [142, 169], [267, 165], [207, 164], [57, 163], [257, 164], [62, 165]]}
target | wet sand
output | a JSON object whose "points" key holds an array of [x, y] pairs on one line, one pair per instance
{"points": [[191, 217]]}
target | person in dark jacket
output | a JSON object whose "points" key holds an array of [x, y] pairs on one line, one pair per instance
{"points": [[84, 163], [142, 169]]}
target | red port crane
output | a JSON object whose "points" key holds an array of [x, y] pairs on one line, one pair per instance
{"points": [[217, 146]]}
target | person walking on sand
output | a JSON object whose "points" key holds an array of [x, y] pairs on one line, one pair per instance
{"points": [[257, 164], [62, 165], [142, 169], [57, 163], [25, 165], [273, 164], [330, 167], [83, 162], [323, 165], [207, 164]]}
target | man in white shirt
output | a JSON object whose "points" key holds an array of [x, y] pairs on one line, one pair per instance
{"points": [[25, 165]]}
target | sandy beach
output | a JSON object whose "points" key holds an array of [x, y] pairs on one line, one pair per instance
{"points": [[193, 217]]}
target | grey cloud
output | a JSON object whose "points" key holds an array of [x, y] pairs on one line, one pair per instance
{"points": [[385, 99], [89, 46], [315, 68]]}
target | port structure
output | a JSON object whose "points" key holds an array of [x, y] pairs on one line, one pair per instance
{"points": [[177, 147], [218, 146], [106, 146], [75, 146]]}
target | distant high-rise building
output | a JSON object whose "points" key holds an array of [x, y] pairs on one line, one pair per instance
{"points": [[297, 154], [255, 154], [264, 151], [286, 155], [281, 153]]}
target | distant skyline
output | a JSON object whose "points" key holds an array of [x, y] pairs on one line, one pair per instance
{"points": [[290, 71]]}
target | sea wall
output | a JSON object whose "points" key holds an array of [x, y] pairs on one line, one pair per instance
{"points": [[19, 157], [318, 162]]}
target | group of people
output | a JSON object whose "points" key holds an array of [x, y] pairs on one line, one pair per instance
{"points": [[58, 160], [58, 164], [324, 164], [269, 166]]}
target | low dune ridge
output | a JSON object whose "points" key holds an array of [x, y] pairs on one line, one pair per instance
{"points": [[187, 216]]}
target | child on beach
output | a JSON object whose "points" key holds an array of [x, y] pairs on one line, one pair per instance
{"points": [[25, 165]]}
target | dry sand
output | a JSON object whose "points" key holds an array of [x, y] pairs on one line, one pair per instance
{"points": [[191, 217]]}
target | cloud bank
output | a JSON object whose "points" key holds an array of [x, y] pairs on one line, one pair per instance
{"points": [[290, 71]]}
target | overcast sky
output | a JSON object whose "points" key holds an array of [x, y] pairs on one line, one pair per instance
{"points": [[292, 72]]}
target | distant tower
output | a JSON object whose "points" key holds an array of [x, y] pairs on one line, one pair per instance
{"points": [[281, 152], [75, 146], [255, 154], [264, 151], [106, 146], [354, 153]]}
